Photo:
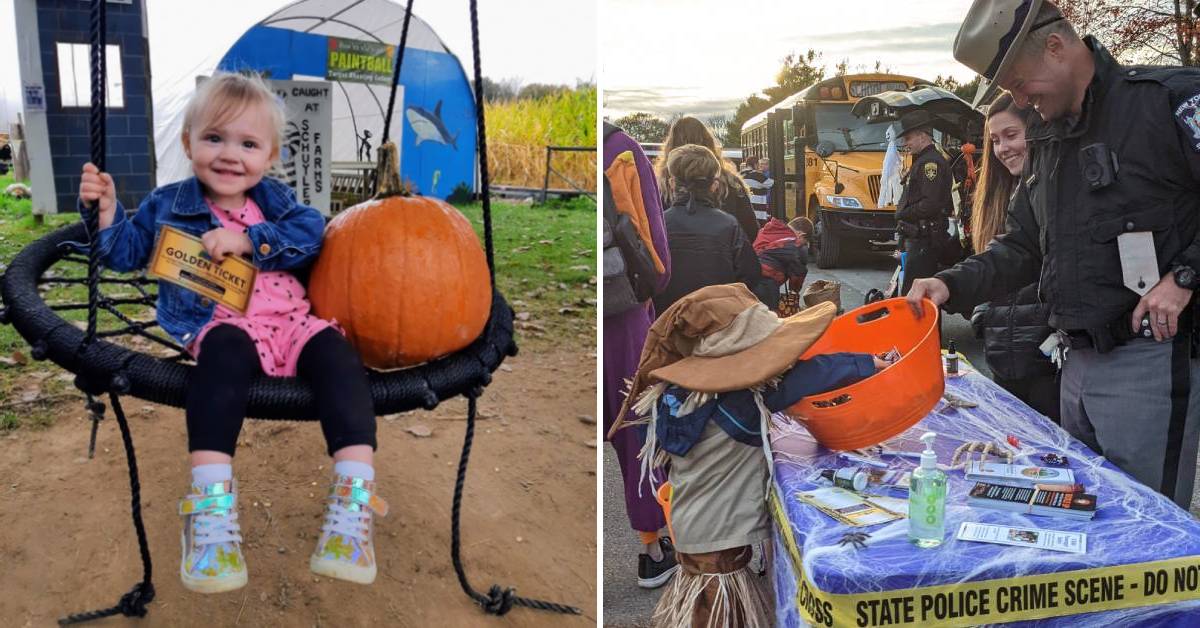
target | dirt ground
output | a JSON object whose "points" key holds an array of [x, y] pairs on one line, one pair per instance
{"points": [[529, 512]]}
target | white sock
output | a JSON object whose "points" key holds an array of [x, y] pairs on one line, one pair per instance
{"points": [[205, 474], [355, 469]]}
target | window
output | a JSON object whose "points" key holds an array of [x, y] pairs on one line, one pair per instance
{"points": [[75, 75]]}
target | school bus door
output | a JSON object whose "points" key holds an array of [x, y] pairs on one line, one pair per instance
{"points": [[801, 168]]}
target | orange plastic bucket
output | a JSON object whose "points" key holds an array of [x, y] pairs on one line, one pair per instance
{"points": [[663, 497], [875, 409]]}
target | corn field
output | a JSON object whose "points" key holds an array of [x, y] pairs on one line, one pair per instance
{"points": [[520, 130]]}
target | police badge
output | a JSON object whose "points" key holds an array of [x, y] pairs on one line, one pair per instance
{"points": [[931, 171], [1188, 117]]}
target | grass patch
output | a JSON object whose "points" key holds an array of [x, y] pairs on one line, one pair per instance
{"points": [[18, 380], [546, 268]]}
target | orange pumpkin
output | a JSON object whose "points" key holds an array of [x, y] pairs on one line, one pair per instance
{"points": [[406, 279]]}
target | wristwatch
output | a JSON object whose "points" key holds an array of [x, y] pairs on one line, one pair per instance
{"points": [[1185, 277]]}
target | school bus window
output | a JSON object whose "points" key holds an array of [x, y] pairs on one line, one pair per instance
{"points": [[860, 89]]}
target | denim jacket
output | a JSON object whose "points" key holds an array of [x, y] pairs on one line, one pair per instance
{"points": [[737, 413], [288, 239]]}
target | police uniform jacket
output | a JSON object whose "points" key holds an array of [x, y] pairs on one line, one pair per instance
{"points": [[1064, 236], [926, 195]]}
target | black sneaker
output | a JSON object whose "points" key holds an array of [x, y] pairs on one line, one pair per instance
{"points": [[653, 574]]}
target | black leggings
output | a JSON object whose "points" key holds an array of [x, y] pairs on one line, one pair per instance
{"points": [[220, 387]]}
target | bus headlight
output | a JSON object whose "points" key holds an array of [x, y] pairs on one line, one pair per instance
{"points": [[845, 202]]}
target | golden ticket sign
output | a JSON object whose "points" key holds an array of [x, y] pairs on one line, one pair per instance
{"points": [[181, 259]]}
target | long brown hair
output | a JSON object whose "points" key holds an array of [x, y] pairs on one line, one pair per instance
{"points": [[689, 130], [991, 199]]}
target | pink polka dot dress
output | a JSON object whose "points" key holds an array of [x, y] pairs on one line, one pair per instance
{"points": [[277, 318]]}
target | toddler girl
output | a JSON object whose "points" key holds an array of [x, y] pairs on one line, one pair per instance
{"points": [[231, 134]]}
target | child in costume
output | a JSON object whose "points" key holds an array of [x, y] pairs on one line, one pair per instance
{"points": [[782, 258], [714, 367], [231, 134]]}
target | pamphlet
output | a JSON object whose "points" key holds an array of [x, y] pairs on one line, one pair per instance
{"points": [[895, 504], [1017, 475], [1054, 540], [848, 507], [1033, 501]]}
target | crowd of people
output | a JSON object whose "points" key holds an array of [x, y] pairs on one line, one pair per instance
{"points": [[708, 220], [1086, 229]]}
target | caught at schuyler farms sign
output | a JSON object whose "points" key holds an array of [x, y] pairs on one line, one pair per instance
{"points": [[306, 154], [360, 61]]}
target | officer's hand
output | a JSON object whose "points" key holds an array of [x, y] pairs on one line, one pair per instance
{"points": [[933, 289], [1163, 303]]}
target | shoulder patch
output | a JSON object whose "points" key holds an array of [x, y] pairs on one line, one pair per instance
{"points": [[1187, 115], [931, 170]]}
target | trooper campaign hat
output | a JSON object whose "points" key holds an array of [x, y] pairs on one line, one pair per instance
{"points": [[915, 120], [991, 35]]}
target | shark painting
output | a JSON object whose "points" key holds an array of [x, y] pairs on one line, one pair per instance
{"points": [[429, 126]]}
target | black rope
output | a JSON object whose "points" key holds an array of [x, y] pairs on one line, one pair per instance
{"points": [[133, 603], [499, 600], [99, 74], [483, 161], [387, 120]]}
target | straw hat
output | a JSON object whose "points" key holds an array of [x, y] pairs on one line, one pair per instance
{"points": [[720, 339], [992, 33]]}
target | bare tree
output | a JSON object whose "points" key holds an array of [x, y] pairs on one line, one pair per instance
{"points": [[1140, 31]]}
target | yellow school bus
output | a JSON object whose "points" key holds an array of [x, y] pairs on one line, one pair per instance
{"points": [[837, 184]]}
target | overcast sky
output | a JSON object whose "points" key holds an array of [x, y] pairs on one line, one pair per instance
{"points": [[706, 56], [544, 41]]}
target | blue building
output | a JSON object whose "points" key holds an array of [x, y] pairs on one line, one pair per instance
{"points": [[55, 67]]}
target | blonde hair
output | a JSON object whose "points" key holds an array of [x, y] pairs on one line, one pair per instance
{"points": [[225, 96], [689, 130], [694, 168]]}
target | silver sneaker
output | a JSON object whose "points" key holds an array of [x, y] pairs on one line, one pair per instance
{"points": [[345, 549], [212, 559]]}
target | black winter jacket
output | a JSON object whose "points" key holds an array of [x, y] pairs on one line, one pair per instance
{"points": [[1013, 328], [708, 248], [1066, 235]]}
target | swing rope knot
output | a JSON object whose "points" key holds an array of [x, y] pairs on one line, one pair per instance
{"points": [[133, 604], [499, 601]]}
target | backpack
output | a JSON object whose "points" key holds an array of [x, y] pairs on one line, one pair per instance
{"points": [[630, 276]]}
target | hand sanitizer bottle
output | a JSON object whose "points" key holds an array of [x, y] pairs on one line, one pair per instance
{"points": [[927, 499]]}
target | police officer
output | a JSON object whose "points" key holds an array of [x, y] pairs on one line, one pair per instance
{"points": [[925, 202], [1105, 219]]}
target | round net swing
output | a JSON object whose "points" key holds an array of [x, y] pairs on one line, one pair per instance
{"points": [[128, 356]]}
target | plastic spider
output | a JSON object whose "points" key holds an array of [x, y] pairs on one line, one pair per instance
{"points": [[983, 448], [1055, 460], [856, 540]]}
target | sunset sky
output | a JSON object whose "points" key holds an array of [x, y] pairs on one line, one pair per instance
{"points": [[706, 56]]}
